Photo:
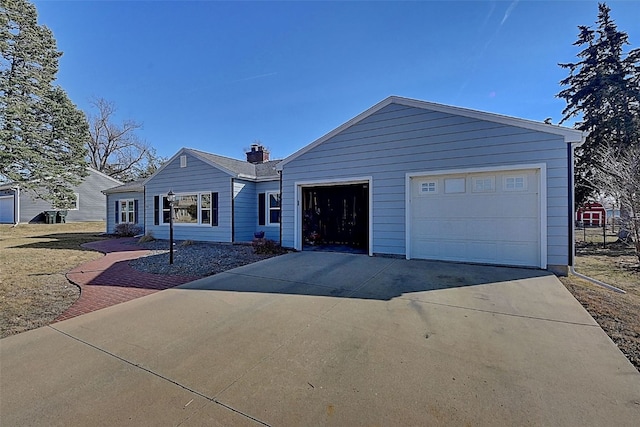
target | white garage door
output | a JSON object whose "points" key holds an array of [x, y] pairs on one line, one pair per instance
{"points": [[488, 217], [6, 209]]}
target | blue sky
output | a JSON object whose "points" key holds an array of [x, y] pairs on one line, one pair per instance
{"points": [[217, 76]]}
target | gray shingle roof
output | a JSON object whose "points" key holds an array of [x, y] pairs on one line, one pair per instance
{"points": [[240, 167], [137, 185]]}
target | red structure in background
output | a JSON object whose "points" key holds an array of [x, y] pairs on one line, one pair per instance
{"points": [[592, 214]]}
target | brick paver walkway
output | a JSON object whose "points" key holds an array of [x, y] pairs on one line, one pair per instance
{"points": [[110, 280]]}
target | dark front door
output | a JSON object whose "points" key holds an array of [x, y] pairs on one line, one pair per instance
{"points": [[336, 217]]}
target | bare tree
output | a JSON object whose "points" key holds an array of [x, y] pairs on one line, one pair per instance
{"points": [[619, 175], [115, 149]]}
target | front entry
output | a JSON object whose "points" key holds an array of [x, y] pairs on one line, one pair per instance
{"points": [[336, 217]]}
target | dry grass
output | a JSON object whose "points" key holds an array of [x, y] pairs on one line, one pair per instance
{"points": [[33, 261], [618, 314], [35, 257]]}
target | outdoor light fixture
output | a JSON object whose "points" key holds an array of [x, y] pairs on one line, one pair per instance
{"points": [[171, 198]]}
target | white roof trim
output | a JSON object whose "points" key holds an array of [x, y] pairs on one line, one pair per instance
{"points": [[117, 190], [193, 153], [570, 135]]}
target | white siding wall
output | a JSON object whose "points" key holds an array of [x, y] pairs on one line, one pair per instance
{"points": [[198, 177], [400, 139]]}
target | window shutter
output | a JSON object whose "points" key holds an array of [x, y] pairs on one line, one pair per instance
{"points": [[117, 211], [135, 211], [262, 206], [214, 209], [156, 210]]}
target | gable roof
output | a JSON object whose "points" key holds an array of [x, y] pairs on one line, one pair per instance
{"points": [[13, 184], [570, 135], [233, 167], [129, 187]]}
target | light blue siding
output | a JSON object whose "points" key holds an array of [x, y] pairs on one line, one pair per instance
{"points": [[271, 232], [245, 210], [196, 177], [111, 208], [399, 139], [91, 201]]}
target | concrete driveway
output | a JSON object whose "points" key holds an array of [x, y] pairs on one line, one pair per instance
{"points": [[328, 339]]}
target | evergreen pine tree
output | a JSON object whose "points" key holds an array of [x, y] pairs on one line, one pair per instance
{"points": [[42, 133], [603, 91]]}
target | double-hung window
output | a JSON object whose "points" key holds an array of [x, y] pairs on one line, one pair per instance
{"points": [[127, 211], [269, 208], [273, 206]]}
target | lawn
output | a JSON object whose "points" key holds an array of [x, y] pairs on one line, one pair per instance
{"points": [[33, 261], [35, 257], [617, 265]]}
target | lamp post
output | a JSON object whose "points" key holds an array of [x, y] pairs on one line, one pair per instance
{"points": [[171, 197]]}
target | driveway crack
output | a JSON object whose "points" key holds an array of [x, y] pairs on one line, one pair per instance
{"points": [[523, 316], [162, 377]]}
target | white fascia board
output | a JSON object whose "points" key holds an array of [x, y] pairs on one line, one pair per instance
{"points": [[569, 135], [193, 153], [336, 131], [123, 190], [258, 179]]}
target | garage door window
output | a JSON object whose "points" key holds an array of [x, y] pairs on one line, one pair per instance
{"points": [[429, 187], [515, 183], [484, 184], [454, 185]]}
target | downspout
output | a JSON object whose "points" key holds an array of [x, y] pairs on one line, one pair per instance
{"points": [[233, 212], [572, 240], [280, 173], [16, 208], [144, 207]]}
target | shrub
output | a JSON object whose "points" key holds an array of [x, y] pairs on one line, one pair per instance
{"points": [[267, 247], [127, 230], [147, 238]]}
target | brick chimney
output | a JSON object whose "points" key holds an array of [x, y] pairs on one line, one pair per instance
{"points": [[258, 154]]}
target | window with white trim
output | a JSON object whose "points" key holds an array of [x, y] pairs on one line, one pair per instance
{"points": [[127, 212], [515, 183], [428, 187], [273, 208], [484, 184], [454, 185], [192, 208]]}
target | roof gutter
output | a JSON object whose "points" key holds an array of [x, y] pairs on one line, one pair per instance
{"points": [[572, 241]]}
